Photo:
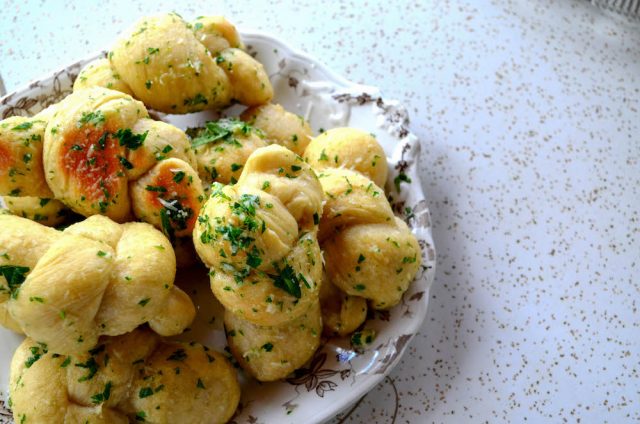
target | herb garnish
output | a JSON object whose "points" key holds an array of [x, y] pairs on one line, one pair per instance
{"points": [[287, 280], [130, 140], [223, 130], [36, 353], [91, 365], [23, 127], [178, 355], [104, 396], [178, 176], [95, 118], [15, 276], [402, 177]]}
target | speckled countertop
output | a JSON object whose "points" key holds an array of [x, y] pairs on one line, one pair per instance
{"points": [[529, 115]]}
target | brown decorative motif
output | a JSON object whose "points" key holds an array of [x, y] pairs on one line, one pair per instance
{"points": [[383, 315], [251, 50], [417, 296], [343, 417], [6, 417], [316, 378], [293, 82], [28, 106], [360, 99], [398, 348]]}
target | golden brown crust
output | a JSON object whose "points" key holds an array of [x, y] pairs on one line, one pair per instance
{"points": [[87, 150]]}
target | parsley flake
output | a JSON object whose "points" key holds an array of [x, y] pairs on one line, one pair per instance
{"points": [[102, 397]]}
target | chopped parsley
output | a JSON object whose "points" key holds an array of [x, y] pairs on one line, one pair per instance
{"points": [[145, 392], [223, 130], [267, 347], [178, 176], [360, 338], [402, 177], [15, 276], [178, 355], [174, 216], [196, 100], [158, 189], [94, 118], [36, 353], [102, 397], [92, 368], [130, 140], [102, 141], [409, 259], [287, 280], [124, 162], [23, 127]]}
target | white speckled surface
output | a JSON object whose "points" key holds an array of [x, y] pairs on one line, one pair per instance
{"points": [[529, 115]]}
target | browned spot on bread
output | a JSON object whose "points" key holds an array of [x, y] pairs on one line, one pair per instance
{"points": [[90, 158], [181, 190], [6, 159]]}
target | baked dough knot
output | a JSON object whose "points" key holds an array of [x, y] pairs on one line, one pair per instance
{"points": [[222, 147], [22, 184], [258, 237], [97, 277], [179, 67], [103, 155], [368, 251], [123, 379]]}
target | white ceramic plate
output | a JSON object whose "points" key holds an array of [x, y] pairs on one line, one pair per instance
{"points": [[337, 376]]}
